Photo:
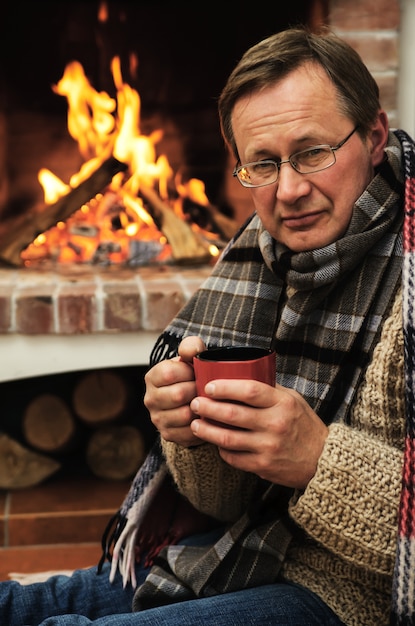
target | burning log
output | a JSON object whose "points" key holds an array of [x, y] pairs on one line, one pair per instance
{"points": [[100, 397], [186, 245], [17, 234], [48, 424], [20, 467], [225, 226], [209, 217], [101, 123], [115, 452]]}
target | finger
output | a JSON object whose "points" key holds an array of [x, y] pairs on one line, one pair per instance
{"points": [[170, 397], [221, 435], [250, 392], [169, 372], [224, 414], [181, 436]]}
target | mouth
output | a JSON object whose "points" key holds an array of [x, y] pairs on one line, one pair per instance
{"points": [[301, 222]]}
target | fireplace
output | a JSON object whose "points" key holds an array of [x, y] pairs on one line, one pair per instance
{"points": [[76, 317]]}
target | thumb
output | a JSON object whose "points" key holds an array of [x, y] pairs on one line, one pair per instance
{"points": [[189, 347]]}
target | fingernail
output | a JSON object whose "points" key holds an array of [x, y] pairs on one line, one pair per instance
{"points": [[194, 405], [210, 389]]}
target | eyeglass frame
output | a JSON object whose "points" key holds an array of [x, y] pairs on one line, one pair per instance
{"points": [[278, 164]]}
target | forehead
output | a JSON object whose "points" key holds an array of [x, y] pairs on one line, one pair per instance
{"points": [[305, 101]]}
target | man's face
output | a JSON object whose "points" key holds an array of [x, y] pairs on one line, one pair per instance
{"points": [[305, 211]]}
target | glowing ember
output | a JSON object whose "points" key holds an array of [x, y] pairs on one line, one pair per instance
{"points": [[116, 226]]}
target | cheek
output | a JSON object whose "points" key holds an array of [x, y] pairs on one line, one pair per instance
{"points": [[347, 192], [353, 180], [263, 199]]}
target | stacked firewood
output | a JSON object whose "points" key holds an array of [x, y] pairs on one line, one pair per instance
{"points": [[92, 424]]}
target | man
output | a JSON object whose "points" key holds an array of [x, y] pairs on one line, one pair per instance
{"points": [[300, 483]]}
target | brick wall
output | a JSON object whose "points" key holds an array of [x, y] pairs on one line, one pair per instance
{"points": [[372, 28]]}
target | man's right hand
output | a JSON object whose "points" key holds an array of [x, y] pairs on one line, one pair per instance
{"points": [[170, 387]]}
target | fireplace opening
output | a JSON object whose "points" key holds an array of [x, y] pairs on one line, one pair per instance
{"points": [[175, 57]]}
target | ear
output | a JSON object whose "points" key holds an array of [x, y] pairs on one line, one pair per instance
{"points": [[378, 138]]}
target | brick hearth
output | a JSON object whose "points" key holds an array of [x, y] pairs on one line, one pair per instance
{"points": [[80, 317]]}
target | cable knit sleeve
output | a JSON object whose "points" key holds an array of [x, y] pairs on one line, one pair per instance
{"points": [[351, 504], [212, 486]]}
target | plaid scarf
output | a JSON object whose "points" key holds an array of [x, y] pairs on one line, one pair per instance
{"points": [[338, 299]]}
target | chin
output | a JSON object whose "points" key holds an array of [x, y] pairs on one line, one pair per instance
{"points": [[302, 246], [306, 243]]}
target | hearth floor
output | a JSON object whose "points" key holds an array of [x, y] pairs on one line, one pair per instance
{"points": [[56, 525]]}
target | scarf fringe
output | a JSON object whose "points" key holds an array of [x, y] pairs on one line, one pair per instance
{"points": [[124, 555]]}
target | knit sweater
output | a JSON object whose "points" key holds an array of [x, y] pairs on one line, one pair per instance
{"points": [[347, 516]]}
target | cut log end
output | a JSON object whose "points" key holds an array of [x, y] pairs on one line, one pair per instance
{"points": [[115, 452], [100, 397], [48, 424]]}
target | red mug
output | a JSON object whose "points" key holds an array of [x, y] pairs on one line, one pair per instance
{"points": [[241, 362]]}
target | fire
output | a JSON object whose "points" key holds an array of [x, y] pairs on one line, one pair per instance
{"points": [[115, 226]]}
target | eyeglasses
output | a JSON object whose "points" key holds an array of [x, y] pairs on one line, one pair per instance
{"points": [[266, 172]]}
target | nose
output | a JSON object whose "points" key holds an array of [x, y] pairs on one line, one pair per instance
{"points": [[291, 185]]}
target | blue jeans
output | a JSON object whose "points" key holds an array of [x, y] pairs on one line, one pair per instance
{"points": [[87, 598]]}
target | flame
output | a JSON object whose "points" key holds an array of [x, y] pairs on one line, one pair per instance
{"points": [[105, 229]]}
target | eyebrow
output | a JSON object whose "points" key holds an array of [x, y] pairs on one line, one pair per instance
{"points": [[302, 143], [312, 140]]}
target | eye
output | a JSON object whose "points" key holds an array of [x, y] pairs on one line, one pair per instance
{"points": [[313, 152], [312, 156], [262, 167]]}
